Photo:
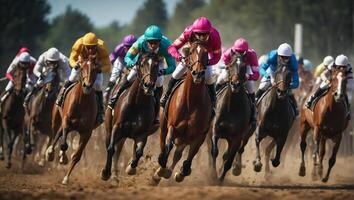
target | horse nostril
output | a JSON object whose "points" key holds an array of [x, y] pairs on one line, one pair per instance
{"points": [[194, 72]]}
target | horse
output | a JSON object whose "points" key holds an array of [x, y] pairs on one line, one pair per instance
{"points": [[39, 113], [12, 113], [186, 119], [275, 118], [232, 119], [133, 116], [328, 121], [78, 113]]}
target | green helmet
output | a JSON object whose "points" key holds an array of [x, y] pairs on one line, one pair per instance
{"points": [[153, 32]]}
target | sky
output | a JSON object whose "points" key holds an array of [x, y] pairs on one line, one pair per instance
{"points": [[103, 12]]}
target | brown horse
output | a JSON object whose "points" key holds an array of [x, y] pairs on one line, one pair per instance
{"points": [[275, 117], [12, 114], [78, 114], [186, 119], [328, 121], [38, 116], [133, 115], [232, 119]]}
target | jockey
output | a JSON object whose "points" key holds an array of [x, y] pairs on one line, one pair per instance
{"points": [[203, 31], [22, 59], [152, 41], [85, 46], [51, 57], [340, 61], [117, 61], [284, 56], [327, 62], [240, 47]]}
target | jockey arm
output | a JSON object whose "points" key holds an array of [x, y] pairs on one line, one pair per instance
{"points": [[294, 70], [253, 63], [132, 55], [177, 44], [38, 68], [75, 52], [215, 54], [170, 61]]}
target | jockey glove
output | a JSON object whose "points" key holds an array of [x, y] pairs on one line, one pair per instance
{"points": [[162, 72]]}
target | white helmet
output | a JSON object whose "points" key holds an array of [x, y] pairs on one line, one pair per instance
{"points": [[341, 60], [262, 59], [285, 50], [52, 54], [25, 57], [328, 60]]}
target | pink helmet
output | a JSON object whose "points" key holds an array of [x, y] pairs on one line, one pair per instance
{"points": [[202, 24], [129, 40], [240, 45], [23, 49]]}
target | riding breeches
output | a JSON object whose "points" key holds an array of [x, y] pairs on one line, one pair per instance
{"points": [[97, 85], [224, 77], [118, 67], [133, 72], [181, 69]]}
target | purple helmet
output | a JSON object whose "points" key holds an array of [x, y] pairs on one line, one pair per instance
{"points": [[129, 40]]}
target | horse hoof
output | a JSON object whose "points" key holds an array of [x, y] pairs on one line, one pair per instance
{"points": [[65, 180], [325, 179], [237, 170], [8, 165], [164, 172], [179, 177], [130, 170], [155, 179], [275, 163], [302, 171], [41, 163], [63, 159], [105, 175], [257, 167], [49, 154]]}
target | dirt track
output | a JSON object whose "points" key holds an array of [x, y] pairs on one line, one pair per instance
{"points": [[44, 183]]}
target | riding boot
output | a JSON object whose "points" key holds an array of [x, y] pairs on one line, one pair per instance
{"points": [[253, 119], [318, 92], [60, 98], [158, 93], [212, 94], [28, 97], [112, 101], [107, 92], [294, 104], [259, 94], [100, 112], [167, 94]]}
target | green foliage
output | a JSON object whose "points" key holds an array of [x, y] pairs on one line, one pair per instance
{"points": [[66, 29], [22, 22]]}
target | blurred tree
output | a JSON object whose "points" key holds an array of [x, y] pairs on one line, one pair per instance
{"points": [[22, 22], [66, 29], [182, 16], [152, 12], [111, 34]]}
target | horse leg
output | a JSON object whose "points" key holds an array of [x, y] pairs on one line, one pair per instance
{"points": [[214, 152], [177, 156], [232, 149], [10, 145], [110, 143], [1, 144], [321, 155], [332, 160], [139, 151], [280, 145], [316, 139], [186, 168], [162, 171], [64, 146], [115, 163], [84, 138], [49, 154], [268, 151], [257, 164], [304, 129]]}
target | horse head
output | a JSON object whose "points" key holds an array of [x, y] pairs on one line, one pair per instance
{"points": [[148, 68], [338, 83], [20, 77], [197, 60], [89, 71], [282, 81], [237, 71]]}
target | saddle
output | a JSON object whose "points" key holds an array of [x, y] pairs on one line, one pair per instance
{"points": [[67, 91], [314, 102], [180, 81]]}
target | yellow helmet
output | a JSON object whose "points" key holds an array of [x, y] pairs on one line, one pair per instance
{"points": [[90, 39]]}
